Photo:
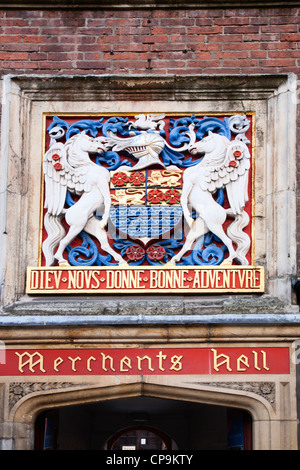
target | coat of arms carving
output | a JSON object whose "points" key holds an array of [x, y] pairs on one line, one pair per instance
{"points": [[145, 196]]}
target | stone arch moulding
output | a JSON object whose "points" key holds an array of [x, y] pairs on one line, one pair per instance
{"points": [[26, 410], [26, 99]]}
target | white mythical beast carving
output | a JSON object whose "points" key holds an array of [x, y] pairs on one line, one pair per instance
{"points": [[225, 165], [148, 121], [68, 167], [145, 147]]}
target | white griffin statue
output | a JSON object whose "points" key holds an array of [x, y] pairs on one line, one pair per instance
{"points": [[67, 167], [225, 165]]}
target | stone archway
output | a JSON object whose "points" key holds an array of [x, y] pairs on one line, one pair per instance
{"points": [[25, 411]]}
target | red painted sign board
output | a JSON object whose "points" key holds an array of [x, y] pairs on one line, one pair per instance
{"points": [[146, 361]]}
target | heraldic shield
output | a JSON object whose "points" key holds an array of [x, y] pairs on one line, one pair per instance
{"points": [[149, 190]]}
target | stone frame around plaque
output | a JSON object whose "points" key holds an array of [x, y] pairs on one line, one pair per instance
{"points": [[271, 98]]}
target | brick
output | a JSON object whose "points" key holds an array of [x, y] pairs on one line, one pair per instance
{"points": [[284, 54], [258, 54], [160, 30], [263, 20], [37, 56], [61, 56], [240, 46], [20, 65], [18, 47], [171, 14], [225, 70], [10, 39], [134, 47], [237, 55], [261, 37], [241, 29], [284, 19], [153, 39], [202, 55], [57, 65], [226, 38], [103, 31], [119, 56], [13, 56], [58, 48], [34, 39], [23, 14], [276, 45], [240, 63], [211, 30], [88, 64], [83, 39], [232, 21], [277, 62], [129, 14], [18, 30], [289, 28], [204, 63], [186, 39], [290, 37]]}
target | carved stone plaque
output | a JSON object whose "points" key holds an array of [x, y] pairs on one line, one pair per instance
{"points": [[148, 202]]}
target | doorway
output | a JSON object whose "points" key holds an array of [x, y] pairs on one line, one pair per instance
{"points": [[143, 421]]}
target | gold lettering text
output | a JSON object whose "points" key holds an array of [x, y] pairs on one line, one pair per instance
{"points": [[57, 277], [88, 363], [57, 363], [107, 358], [161, 357], [265, 360], [176, 363], [34, 279], [73, 360], [256, 360], [125, 364], [30, 361], [216, 357], [140, 359], [97, 282], [48, 280], [242, 360]]}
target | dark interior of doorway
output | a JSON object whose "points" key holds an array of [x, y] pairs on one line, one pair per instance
{"points": [[139, 438], [161, 423]]}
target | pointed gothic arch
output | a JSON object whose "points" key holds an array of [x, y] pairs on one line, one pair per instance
{"points": [[27, 409]]}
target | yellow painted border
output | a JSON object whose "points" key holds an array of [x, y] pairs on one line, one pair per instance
{"points": [[179, 114]]}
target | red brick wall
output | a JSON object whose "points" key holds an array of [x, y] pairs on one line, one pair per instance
{"points": [[146, 41], [235, 41]]}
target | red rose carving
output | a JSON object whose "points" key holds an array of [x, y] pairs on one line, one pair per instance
{"points": [[137, 179], [156, 196], [237, 154], [156, 252], [57, 166], [135, 252], [120, 179], [172, 196]]}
